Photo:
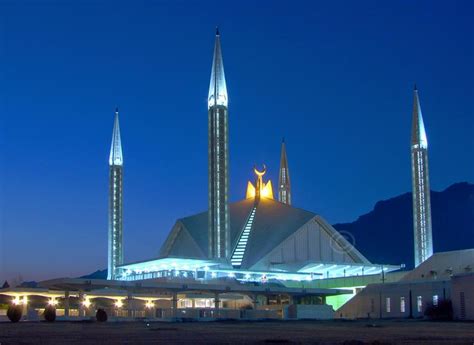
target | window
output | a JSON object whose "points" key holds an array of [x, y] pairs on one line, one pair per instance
{"points": [[402, 304], [435, 300], [462, 301], [419, 304], [387, 303], [372, 305]]}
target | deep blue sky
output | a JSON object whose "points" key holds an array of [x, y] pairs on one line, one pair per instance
{"points": [[334, 78]]}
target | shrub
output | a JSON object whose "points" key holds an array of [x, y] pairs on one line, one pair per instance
{"points": [[14, 313], [442, 311], [49, 313], [101, 315]]}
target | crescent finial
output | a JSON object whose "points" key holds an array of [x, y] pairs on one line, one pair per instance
{"points": [[260, 173]]}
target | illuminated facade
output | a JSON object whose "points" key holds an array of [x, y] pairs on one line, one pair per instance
{"points": [[218, 160], [284, 184], [421, 186], [115, 243]]}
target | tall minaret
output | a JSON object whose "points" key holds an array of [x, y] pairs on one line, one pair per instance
{"points": [[115, 257], [218, 151], [421, 186], [284, 184]]}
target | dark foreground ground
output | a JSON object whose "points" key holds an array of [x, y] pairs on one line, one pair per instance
{"points": [[275, 332]]}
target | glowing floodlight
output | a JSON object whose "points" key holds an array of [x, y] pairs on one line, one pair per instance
{"points": [[265, 189], [53, 301], [86, 303]]}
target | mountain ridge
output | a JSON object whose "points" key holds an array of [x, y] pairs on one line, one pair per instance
{"points": [[389, 225]]}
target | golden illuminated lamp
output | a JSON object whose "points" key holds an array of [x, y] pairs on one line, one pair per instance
{"points": [[266, 189]]}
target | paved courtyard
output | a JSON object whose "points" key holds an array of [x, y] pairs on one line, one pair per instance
{"points": [[232, 332]]}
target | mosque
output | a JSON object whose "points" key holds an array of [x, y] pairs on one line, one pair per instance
{"points": [[259, 257], [258, 239]]}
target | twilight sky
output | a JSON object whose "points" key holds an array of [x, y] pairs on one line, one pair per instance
{"points": [[335, 78]]}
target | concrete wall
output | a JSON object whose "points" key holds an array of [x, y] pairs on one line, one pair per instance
{"points": [[463, 296], [386, 300], [308, 311]]}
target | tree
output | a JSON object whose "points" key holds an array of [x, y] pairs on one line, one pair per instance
{"points": [[14, 313], [442, 311], [49, 313], [101, 315]]}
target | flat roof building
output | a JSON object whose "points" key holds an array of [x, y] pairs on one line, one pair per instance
{"points": [[445, 276]]}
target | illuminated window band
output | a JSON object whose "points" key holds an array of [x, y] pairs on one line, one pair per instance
{"points": [[239, 251], [205, 270]]}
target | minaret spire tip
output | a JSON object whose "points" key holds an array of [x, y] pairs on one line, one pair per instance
{"points": [[415, 88], [284, 184], [217, 87], [116, 157], [418, 127]]}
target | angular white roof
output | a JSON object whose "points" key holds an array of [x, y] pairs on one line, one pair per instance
{"points": [[274, 225]]}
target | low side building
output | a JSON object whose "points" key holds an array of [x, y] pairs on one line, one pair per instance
{"points": [[444, 276]]}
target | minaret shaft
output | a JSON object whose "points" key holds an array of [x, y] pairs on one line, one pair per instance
{"points": [[218, 160], [115, 232], [115, 220], [284, 184], [422, 229]]}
